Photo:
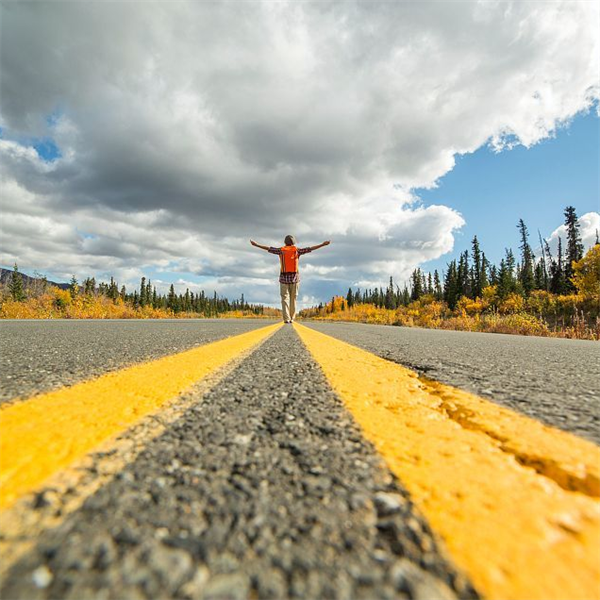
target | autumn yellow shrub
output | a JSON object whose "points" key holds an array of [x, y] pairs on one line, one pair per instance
{"points": [[512, 304], [586, 274]]}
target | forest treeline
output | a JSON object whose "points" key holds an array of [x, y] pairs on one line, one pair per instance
{"points": [[39, 299], [554, 293]]}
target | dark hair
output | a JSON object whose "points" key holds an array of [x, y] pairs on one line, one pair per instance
{"points": [[290, 240]]}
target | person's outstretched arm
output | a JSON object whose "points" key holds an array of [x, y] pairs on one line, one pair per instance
{"points": [[259, 245], [320, 246]]}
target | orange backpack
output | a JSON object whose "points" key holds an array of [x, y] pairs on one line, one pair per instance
{"points": [[289, 259]]}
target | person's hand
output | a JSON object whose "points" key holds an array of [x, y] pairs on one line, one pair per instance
{"points": [[253, 243], [327, 243]]}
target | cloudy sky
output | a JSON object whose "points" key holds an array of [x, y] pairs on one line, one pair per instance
{"points": [[158, 138]]}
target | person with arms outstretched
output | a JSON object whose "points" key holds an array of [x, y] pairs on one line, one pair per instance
{"points": [[289, 277]]}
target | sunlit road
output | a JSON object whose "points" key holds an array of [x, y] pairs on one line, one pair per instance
{"points": [[234, 459]]}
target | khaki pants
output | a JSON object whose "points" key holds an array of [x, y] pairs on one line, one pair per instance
{"points": [[289, 292]]}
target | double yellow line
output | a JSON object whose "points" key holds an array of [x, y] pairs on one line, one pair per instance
{"points": [[516, 503]]}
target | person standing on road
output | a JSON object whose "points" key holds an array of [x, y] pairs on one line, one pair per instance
{"points": [[289, 277]]}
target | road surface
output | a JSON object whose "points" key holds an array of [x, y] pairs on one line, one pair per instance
{"points": [[262, 483]]}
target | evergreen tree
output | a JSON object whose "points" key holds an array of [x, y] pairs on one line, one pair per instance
{"points": [[477, 270], [350, 298], [493, 275], [463, 283], [390, 297], [74, 287], [171, 298], [526, 275], [574, 252], [143, 299], [429, 284], [15, 287], [123, 293], [113, 290], [416, 285], [541, 271], [437, 286], [507, 282], [405, 295], [451, 286], [557, 270], [485, 267]]}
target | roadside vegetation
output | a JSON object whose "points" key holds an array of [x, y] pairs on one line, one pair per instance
{"points": [[38, 299], [549, 295]]}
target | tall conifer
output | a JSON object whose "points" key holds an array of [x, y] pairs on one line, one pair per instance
{"points": [[574, 250], [15, 287], [526, 276]]}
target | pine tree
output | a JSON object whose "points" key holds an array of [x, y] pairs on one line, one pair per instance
{"points": [[416, 285], [507, 283], [143, 292], [15, 287], [390, 297], [74, 287], [463, 283], [113, 290], [485, 266], [437, 286], [477, 270], [574, 251], [171, 298], [350, 298], [557, 270], [541, 271], [493, 275], [525, 273], [451, 286]]}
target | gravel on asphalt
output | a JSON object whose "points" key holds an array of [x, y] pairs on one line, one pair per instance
{"points": [[265, 488]]}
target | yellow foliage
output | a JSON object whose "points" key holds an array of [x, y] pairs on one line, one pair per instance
{"points": [[512, 304], [471, 307], [541, 302], [490, 295], [586, 277]]}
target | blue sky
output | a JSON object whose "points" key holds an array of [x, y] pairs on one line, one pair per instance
{"points": [[493, 190]]}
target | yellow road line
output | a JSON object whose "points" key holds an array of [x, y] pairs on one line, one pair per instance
{"points": [[48, 432], [514, 501]]}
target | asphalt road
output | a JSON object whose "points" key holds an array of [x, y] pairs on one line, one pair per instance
{"points": [[39, 356], [264, 488], [553, 380]]}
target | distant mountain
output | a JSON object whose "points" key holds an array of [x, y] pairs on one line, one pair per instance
{"points": [[6, 275]]}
